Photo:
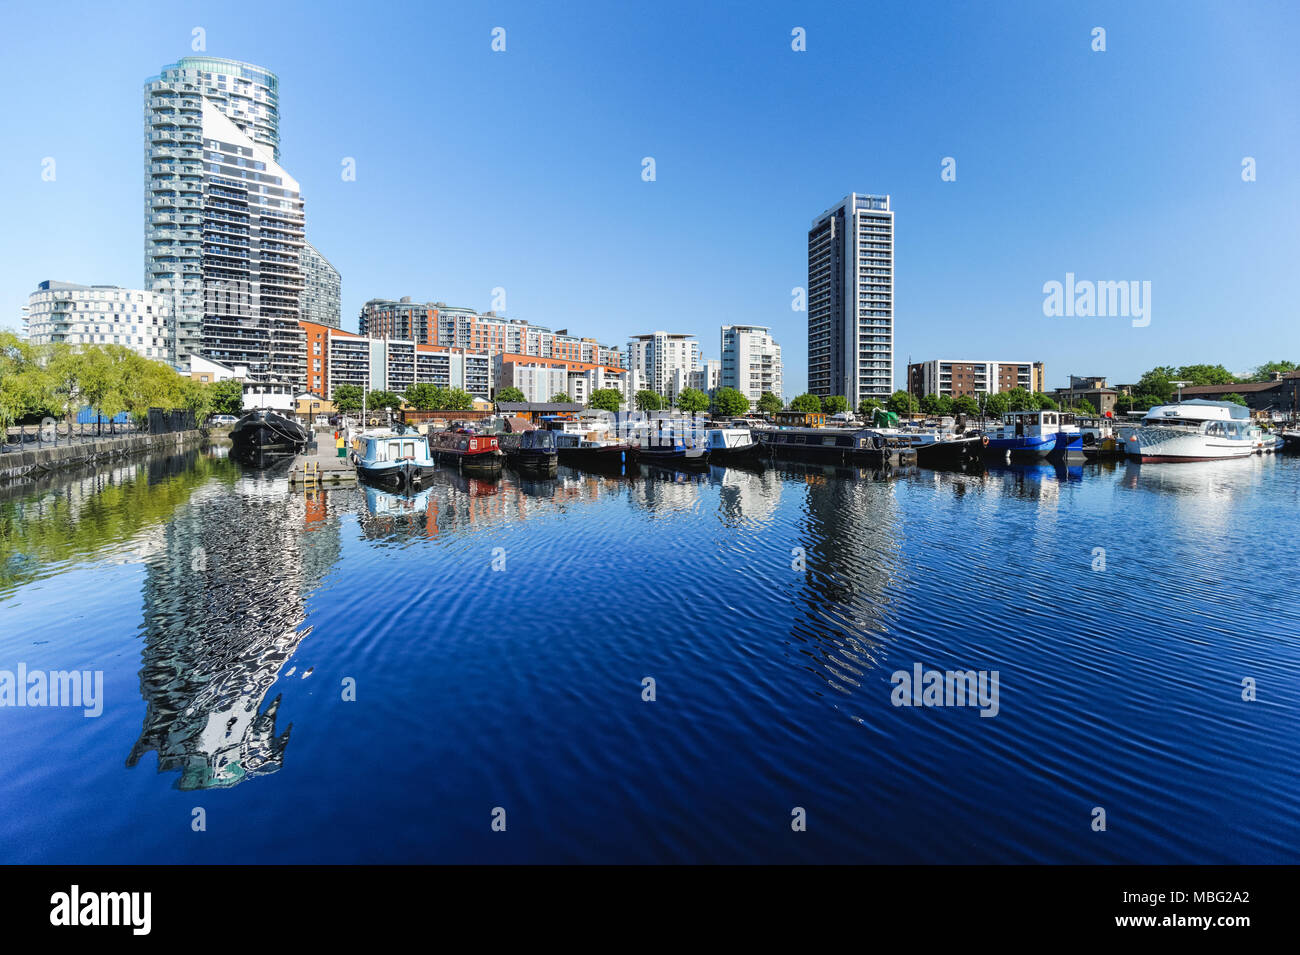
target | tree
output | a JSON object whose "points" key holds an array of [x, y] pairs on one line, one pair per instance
{"points": [[1044, 402], [930, 404], [459, 399], [997, 404], [196, 396], [834, 404], [647, 400], [903, 402], [378, 400], [1018, 399], [807, 404], [1123, 404], [1235, 398], [693, 401], [426, 396], [1157, 385], [228, 396], [606, 399], [348, 397], [560, 398], [867, 407], [730, 403], [1084, 407], [1206, 375], [965, 405], [1265, 371], [769, 403], [513, 394]]}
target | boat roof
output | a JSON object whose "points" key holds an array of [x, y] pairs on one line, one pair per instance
{"points": [[1200, 407]]}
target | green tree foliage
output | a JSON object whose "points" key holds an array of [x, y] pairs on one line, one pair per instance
{"points": [[769, 403], [511, 394], [1206, 375], [966, 405], [379, 400], [348, 397], [1044, 402], [459, 400], [426, 396], [1156, 386], [228, 396], [834, 404], [867, 407], [647, 400], [693, 401], [996, 405], [1084, 407], [1235, 398], [561, 398], [1265, 371], [807, 404], [903, 402], [606, 399], [730, 403]]}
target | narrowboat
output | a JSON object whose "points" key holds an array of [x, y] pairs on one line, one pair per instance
{"points": [[665, 447], [1025, 434], [533, 451], [842, 445], [592, 454], [468, 450], [263, 432], [393, 459], [1100, 438], [732, 446], [1193, 430]]}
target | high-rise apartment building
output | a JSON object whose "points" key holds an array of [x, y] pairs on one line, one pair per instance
{"points": [[851, 300], [63, 312], [322, 290], [751, 362], [658, 357], [435, 323], [224, 222], [335, 357]]}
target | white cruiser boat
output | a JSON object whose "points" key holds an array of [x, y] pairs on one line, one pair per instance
{"points": [[1193, 430]]}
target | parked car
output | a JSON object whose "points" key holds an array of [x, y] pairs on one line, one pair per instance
{"points": [[222, 420]]}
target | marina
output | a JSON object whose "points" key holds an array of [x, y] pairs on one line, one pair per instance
{"points": [[1141, 696]]}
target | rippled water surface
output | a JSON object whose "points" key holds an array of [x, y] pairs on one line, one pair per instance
{"points": [[496, 635]]}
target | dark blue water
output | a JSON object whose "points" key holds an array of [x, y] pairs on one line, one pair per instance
{"points": [[228, 615]]}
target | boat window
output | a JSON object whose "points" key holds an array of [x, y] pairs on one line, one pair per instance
{"points": [[410, 449]]}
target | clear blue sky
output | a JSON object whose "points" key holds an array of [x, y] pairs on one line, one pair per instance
{"points": [[522, 169]]}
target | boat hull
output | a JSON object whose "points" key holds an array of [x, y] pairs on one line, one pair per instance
{"points": [[265, 433], [1068, 443], [954, 453], [1167, 446], [1022, 447], [611, 458], [677, 457], [534, 461], [482, 462], [406, 475]]}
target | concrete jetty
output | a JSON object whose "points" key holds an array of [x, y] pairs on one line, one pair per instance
{"points": [[320, 464]]}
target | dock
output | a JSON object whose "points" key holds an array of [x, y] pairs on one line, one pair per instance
{"points": [[320, 464]]}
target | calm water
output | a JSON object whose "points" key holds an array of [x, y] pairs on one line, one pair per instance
{"points": [[498, 634]]}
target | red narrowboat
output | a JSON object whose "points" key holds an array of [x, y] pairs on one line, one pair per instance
{"points": [[468, 450]]}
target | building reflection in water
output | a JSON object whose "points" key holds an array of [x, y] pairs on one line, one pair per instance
{"points": [[224, 608], [849, 537]]}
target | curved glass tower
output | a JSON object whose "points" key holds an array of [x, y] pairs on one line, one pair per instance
{"points": [[223, 221]]}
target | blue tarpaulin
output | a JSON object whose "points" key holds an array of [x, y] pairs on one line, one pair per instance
{"points": [[88, 416]]}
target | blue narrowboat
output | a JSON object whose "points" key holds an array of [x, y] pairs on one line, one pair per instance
{"points": [[393, 459]]}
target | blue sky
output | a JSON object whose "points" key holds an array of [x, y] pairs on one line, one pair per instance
{"points": [[522, 169]]}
